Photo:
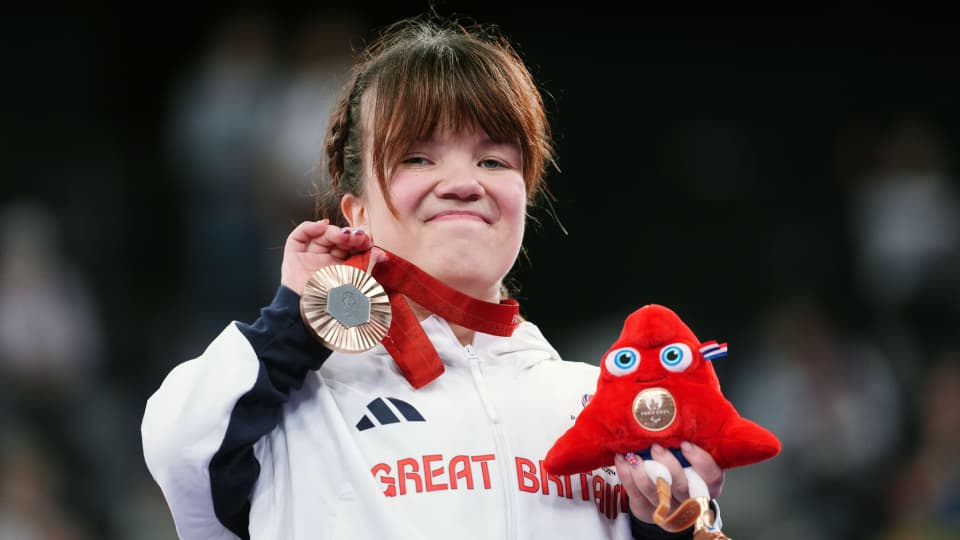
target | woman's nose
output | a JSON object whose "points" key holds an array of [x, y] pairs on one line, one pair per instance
{"points": [[460, 184]]}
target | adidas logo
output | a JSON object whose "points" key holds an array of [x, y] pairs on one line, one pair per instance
{"points": [[387, 411]]}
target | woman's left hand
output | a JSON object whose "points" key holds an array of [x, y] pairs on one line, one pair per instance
{"points": [[643, 491]]}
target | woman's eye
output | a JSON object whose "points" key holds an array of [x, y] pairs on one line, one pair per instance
{"points": [[676, 357], [492, 164], [415, 160], [623, 361]]}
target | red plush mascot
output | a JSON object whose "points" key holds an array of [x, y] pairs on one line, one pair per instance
{"points": [[657, 385]]}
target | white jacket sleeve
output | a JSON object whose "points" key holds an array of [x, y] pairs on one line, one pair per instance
{"points": [[200, 426]]}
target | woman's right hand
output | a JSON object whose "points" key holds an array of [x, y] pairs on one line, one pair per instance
{"points": [[315, 244]]}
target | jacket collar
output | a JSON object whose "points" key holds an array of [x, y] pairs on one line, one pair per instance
{"points": [[524, 349]]}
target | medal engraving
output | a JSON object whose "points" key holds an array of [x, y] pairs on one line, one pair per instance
{"points": [[654, 409], [347, 309], [348, 305]]}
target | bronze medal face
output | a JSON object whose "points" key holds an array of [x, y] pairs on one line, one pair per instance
{"points": [[654, 409], [346, 308]]}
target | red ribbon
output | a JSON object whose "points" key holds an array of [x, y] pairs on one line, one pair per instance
{"points": [[405, 340]]}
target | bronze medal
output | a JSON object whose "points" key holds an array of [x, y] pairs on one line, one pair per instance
{"points": [[654, 409], [346, 308]]}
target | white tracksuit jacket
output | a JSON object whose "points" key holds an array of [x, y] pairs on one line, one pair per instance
{"points": [[252, 440]]}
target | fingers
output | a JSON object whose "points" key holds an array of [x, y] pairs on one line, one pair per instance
{"points": [[640, 490], [320, 237], [706, 467], [634, 479], [315, 244], [340, 242], [637, 477], [377, 255], [352, 241], [300, 237], [695, 484], [679, 487]]}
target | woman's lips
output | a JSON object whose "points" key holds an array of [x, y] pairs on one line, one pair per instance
{"points": [[459, 215]]}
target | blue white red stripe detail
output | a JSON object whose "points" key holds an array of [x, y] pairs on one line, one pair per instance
{"points": [[712, 350]]}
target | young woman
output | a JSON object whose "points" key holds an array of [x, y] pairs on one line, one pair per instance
{"points": [[435, 150]]}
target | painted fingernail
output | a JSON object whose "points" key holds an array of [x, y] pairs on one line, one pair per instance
{"points": [[632, 459], [346, 231], [358, 232]]}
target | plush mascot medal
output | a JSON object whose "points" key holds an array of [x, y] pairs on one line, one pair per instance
{"points": [[657, 385]]}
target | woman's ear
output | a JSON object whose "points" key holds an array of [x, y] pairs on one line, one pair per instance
{"points": [[354, 211]]}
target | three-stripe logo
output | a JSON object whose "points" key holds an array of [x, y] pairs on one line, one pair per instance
{"points": [[386, 411]]}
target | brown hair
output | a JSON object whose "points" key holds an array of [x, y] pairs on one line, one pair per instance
{"points": [[422, 74]]}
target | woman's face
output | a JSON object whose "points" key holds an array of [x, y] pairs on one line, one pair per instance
{"points": [[461, 206]]}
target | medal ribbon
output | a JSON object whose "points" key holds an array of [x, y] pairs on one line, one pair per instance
{"points": [[405, 340]]}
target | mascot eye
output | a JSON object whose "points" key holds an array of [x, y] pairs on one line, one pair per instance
{"points": [[676, 357], [623, 361]]}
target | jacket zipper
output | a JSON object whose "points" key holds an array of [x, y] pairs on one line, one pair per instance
{"points": [[500, 441]]}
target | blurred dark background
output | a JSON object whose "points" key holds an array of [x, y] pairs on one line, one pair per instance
{"points": [[786, 183]]}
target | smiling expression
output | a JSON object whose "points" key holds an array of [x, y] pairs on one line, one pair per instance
{"points": [[460, 203]]}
